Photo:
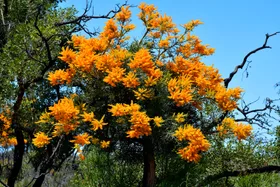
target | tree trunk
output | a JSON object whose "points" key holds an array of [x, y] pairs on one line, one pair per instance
{"points": [[18, 157], [39, 181], [149, 177], [19, 148]]}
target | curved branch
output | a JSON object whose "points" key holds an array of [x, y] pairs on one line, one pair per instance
{"points": [[240, 66], [265, 169]]}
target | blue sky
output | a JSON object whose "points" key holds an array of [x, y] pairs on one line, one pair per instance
{"points": [[233, 28]]}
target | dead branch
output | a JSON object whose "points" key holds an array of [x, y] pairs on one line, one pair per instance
{"points": [[245, 60], [260, 116], [265, 169], [81, 20]]}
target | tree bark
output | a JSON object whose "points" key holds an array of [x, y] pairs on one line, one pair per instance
{"points": [[18, 157], [39, 181], [149, 176], [19, 148]]}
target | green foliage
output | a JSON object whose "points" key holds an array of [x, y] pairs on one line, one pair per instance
{"points": [[264, 180], [103, 169]]}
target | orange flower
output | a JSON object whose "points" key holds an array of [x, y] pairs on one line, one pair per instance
{"points": [[78, 40], [64, 111], [130, 80], [180, 117], [81, 139], [142, 60], [12, 142], [142, 94], [180, 90], [227, 98], [110, 30], [124, 14], [158, 120], [140, 125], [104, 144], [163, 43], [197, 142], [61, 76], [98, 124], [119, 109], [114, 76], [242, 131], [81, 156], [41, 139], [67, 55], [88, 117], [190, 25]]}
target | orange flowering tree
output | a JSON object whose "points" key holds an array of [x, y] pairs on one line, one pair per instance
{"points": [[148, 92]]}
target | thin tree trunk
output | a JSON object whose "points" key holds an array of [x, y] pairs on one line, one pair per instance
{"points": [[19, 148], [18, 157], [149, 177]]}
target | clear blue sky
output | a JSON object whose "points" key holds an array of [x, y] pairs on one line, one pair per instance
{"points": [[233, 28]]}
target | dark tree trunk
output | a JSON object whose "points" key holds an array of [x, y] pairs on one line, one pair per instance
{"points": [[39, 181], [18, 157], [149, 177], [19, 148]]}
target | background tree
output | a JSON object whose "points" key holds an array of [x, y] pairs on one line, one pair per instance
{"points": [[32, 34]]}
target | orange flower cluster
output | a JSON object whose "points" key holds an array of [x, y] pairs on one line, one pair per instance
{"points": [[124, 109], [197, 142], [66, 114], [203, 80], [61, 76], [192, 24], [241, 131], [81, 139], [130, 80], [227, 98], [8, 142], [5, 123], [154, 21], [124, 15], [66, 118], [110, 30], [143, 61], [140, 121], [158, 121], [104, 144], [142, 94], [41, 139], [180, 117], [180, 90]]}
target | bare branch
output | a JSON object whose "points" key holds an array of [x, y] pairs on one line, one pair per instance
{"points": [[259, 116], [245, 60], [85, 18], [265, 169]]}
